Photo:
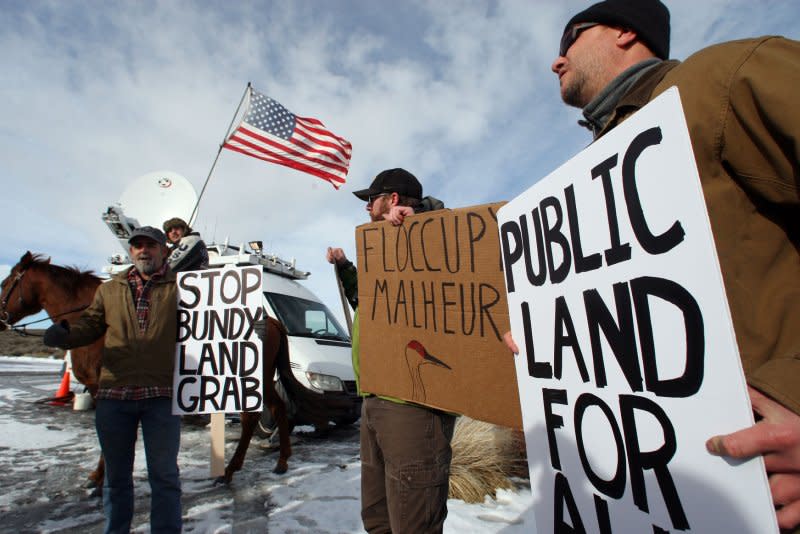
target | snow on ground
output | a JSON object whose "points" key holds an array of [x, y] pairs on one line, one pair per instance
{"points": [[46, 453], [30, 364]]}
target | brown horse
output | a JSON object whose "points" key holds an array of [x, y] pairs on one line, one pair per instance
{"points": [[34, 284], [275, 356], [63, 292]]}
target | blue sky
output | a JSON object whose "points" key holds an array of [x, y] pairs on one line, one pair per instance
{"points": [[95, 94]]}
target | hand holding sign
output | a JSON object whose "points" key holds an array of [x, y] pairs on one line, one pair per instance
{"points": [[777, 437], [508, 339], [397, 214], [336, 256]]}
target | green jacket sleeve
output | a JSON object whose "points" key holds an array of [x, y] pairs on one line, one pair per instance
{"points": [[348, 274]]}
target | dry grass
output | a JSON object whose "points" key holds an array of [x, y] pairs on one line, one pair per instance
{"points": [[13, 344], [485, 458]]}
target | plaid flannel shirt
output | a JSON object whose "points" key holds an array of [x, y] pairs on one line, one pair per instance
{"points": [[141, 296], [141, 293]]}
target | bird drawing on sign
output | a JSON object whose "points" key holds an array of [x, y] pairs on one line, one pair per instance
{"points": [[416, 357]]}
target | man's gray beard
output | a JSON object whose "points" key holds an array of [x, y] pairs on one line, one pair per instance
{"points": [[147, 267]]}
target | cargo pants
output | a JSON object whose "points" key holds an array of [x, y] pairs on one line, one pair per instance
{"points": [[405, 467]]}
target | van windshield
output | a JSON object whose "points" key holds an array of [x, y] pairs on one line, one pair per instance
{"points": [[306, 318]]}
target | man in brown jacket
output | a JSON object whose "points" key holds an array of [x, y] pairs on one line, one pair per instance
{"points": [[137, 312], [744, 123]]}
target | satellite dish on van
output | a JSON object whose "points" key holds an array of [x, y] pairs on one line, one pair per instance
{"points": [[155, 197]]}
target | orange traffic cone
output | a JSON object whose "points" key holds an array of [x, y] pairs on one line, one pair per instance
{"points": [[63, 395]]}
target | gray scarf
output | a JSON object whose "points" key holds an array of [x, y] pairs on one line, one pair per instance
{"points": [[599, 110]]}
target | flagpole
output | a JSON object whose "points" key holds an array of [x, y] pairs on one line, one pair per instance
{"points": [[219, 151], [345, 303]]}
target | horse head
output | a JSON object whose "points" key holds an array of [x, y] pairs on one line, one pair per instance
{"points": [[17, 298]]}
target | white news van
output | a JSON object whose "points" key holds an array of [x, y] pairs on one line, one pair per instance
{"points": [[319, 347]]}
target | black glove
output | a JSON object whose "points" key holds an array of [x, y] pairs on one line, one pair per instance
{"points": [[56, 335]]}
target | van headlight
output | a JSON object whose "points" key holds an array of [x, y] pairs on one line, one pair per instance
{"points": [[324, 382]]}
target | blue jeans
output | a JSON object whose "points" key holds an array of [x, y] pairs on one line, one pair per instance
{"points": [[117, 423]]}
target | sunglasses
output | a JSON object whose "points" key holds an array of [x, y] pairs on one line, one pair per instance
{"points": [[372, 198], [571, 35]]}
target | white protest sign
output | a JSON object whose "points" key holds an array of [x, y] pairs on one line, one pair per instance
{"points": [[628, 361], [218, 359]]}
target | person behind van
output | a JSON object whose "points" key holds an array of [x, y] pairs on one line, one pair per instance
{"points": [[405, 447], [188, 251]]}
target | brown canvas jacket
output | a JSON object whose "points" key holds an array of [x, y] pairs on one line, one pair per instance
{"points": [[744, 121], [131, 358]]}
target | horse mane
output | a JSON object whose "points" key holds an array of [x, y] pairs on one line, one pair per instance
{"points": [[69, 278]]}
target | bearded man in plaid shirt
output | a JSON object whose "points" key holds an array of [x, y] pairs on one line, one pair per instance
{"points": [[137, 312]]}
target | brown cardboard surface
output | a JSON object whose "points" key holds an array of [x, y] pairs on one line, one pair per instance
{"points": [[432, 313]]}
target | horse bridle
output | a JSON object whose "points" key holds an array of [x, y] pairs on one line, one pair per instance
{"points": [[4, 316]]}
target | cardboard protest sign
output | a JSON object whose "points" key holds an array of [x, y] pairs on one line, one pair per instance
{"points": [[218, 359], [432, 313], [628, 359]]}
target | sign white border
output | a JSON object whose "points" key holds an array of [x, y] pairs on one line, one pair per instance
{"points": [[628, 215], [218, 358]]}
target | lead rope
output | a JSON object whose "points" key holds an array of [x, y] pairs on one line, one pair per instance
{"points": [[21, 329]]}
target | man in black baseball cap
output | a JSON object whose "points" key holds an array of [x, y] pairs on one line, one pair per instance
{"points": [[393, 195], [398, 181]]}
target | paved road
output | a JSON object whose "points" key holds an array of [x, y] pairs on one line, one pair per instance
{"points": [[46, 453]]}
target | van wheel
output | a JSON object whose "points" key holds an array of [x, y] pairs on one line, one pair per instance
{"points": [[266, 427], [345, 421]]}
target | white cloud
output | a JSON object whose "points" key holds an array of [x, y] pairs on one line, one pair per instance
{"points": [[460, 93]]}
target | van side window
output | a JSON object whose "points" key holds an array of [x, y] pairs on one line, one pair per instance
{"points": [[303, 317]]}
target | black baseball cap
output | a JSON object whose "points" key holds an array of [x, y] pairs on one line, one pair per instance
{"points": [[398, 181], [152, 233]]}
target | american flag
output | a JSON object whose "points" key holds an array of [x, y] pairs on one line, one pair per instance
{"points": [[271, 132]]}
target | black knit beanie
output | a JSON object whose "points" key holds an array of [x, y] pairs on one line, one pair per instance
{"points": [[648, 18]]}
